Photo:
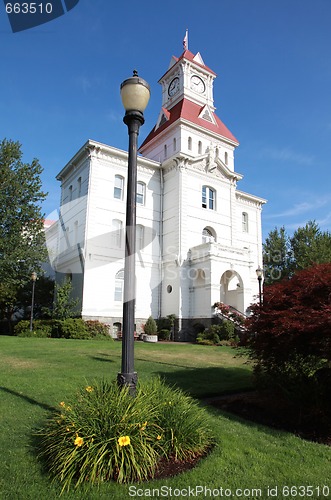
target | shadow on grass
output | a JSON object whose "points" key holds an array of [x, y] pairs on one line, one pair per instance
{"points": [[208, 382], [27, 399], [104, 358]]}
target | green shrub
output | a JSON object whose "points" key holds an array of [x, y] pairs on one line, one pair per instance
{"points": [[21, 327], [150, 327], [223, 333], [209, 336], [41, 329], [97, 329], [106, 434], [71, 328], [164, 334], [74, 328]]}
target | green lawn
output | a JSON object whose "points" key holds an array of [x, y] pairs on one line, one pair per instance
{"points": [[36, 374]]}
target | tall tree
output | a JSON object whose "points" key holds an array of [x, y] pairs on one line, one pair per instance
{"points": [[276, 255], [22, 244], [309, 245], [284, 255]]}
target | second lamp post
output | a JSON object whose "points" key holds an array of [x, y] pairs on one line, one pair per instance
{"points": [[135, 94]]}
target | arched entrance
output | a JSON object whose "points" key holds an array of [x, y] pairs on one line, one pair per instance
{"points": [[232, 290]]}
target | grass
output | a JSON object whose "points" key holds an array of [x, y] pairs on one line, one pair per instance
{"points": [[36, 374]]}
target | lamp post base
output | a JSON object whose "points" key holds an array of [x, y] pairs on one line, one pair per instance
{"points": [[128, 380]]}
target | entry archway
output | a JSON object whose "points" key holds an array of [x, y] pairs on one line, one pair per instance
{"points": [[232, 289]]}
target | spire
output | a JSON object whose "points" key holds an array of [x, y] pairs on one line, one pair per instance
{"points": [[185, 41]]}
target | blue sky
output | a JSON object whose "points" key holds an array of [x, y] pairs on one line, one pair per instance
{"points": [[60, 83]]}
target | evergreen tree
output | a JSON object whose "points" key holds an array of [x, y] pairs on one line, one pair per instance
{"points": [[276, 256], [284, 255]]}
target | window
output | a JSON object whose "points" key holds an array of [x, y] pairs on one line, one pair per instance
{"points": [[139, 237], [118, 187], [141, 190], [117, 328], [165, 151], [70, 193], [76, 232], [117, 233], [199, 147], [208, 198], [175, 144], [226, 158], [245, 222], [119, 285], [79, 186], [189, 143]]}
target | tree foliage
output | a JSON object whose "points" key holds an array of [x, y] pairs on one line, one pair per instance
{"points": [[284, 255], [150, 327], [22, 247], [65, 306], [293, 327]]}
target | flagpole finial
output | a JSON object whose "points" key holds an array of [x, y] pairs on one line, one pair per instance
{"points": [[185, 41]]}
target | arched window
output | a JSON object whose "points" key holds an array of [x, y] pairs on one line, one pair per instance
{"points": [[118, 187], [175, 144], [208, 197], [165, 151], [70, 193], [189, 143], [208, 235], [141, 190], [199, 147], [119, 286], [226, 158], [117, 328], [139, 237], [245, 222], [116, 234]]}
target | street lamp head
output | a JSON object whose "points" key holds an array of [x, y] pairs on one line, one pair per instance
{"points": [[259, 273], [34, 276], [135, 93]]}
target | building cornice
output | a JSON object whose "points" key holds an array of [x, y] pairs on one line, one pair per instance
{"points": [[92, 149]]}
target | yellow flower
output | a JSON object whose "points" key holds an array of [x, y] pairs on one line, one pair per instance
{"points": [[123, 440], [89, 388], [79, 441], [63, 404], [158, 437], [143, 426]]}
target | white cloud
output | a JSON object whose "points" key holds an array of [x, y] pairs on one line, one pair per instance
{"points": [[304, 206], [287, 155]]}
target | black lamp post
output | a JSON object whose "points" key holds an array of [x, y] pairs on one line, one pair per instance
{"points": [[259, 274], [135, 94], [33, 279]]}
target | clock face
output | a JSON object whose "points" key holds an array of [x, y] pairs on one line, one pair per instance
{"points": [[197, 84], [173, 86]]}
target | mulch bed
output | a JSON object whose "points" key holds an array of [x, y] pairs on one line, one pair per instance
{"points": [[273, 410]]}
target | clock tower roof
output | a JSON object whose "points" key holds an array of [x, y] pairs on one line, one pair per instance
{"points": [[188, 56], [196, 114]]}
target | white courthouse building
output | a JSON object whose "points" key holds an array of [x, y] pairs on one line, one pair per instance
{"points": [[198, 237]]}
